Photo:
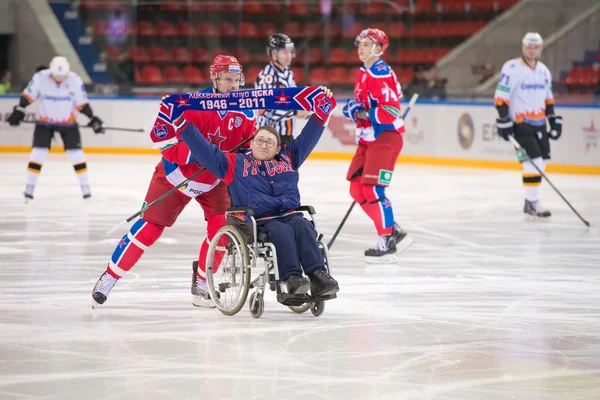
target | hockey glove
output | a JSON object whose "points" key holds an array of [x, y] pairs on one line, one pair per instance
{"points": [[323, 105], [96, 124], [555, 127], [351, 108], [17, 116], [505, 128]]}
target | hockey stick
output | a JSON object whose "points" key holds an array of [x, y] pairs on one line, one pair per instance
{"points": [[411, 103], [185, 182], [106, 128], [523, 154]]}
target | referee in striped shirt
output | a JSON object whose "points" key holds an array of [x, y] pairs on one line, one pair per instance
{"points": [[277, 74]]}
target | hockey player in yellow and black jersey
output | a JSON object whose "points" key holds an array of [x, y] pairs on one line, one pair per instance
{"points": [[524, 101]]}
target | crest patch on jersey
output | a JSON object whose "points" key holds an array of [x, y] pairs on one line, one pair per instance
{"points": [[385, 177], [160, 130], [238, 122]]}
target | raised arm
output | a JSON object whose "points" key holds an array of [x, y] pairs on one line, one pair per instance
{"points": [[207, 154]]}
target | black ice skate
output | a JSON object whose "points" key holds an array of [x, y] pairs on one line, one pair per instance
{"points": [[322, 284], [401, 238], [201, 295], [535, 209], [28, 193], [384, 253], [103, 288], [85, 190]]}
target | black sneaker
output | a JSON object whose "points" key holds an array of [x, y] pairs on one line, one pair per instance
{"points": [[322, 284], [384, 253], [295, 284], [535, 209]]}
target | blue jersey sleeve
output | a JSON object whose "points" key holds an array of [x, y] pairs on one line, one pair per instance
{"points": [[305, 143], [206, 153]]}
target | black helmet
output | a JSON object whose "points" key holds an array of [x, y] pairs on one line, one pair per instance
{"points": [[279, 41]]}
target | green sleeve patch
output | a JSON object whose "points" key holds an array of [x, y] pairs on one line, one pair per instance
{"points": [[503, 88]]}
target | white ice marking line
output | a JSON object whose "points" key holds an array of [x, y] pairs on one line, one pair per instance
{"points": [[136, 277], [446, 236]]}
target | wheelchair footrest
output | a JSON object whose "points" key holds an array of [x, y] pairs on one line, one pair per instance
{"points": [[292, 299], [322, 298]]}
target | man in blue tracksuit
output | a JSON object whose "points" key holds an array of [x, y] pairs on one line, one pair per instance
{"points": [[264, 178]]}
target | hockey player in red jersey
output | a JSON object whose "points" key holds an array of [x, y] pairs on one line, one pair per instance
{"points": [[375, 109], [225, 129]]}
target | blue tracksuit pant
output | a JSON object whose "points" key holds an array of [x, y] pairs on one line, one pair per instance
{"points": [[295, 241]]}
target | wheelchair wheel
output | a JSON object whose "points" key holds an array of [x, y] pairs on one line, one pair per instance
{"points": [[229, 280], [300, 309], [256, 304], [317, 308]]}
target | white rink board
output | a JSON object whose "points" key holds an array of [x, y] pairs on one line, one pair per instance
{"points": [[450, 130]]}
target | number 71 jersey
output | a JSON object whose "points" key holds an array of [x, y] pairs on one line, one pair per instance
{"points": [[378, 90]]}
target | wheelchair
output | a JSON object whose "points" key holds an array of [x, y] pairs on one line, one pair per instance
{"points": [[241, 245]]}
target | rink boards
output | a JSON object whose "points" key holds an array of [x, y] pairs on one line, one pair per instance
{"points": [[440, 133]]}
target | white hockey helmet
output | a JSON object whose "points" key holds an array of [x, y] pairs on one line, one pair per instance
{"points": [[59, 68], [532, 38]]}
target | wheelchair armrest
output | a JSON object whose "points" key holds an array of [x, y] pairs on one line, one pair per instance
{"points": [[309, 209], [246, 210]]}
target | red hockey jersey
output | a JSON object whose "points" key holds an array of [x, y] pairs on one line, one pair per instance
{"points": [[378, 90], [225, 129]]}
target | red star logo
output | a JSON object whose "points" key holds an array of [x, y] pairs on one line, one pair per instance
{"points": [[324, 104], [282, 98], [182, 102], [122, 243], [381, 67], [216, 138], [387, 203]]}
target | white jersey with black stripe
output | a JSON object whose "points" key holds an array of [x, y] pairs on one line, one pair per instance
{"points": [[272, 77]]}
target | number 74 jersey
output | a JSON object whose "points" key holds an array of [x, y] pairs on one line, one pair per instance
{"points": [[378, 90]]}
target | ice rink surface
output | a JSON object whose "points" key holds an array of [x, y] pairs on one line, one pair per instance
{"points": [[484, 305]]}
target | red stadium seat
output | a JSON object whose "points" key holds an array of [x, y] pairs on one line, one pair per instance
{"points": [[207, 29], [243, 55], [100, 27], [312, 29], [166, 29], [219, 51], [265, 29], [338, 76], [318, 76], [374, 8], [139, 54], [159, 55], [335, 30], [248, 30], [396, 30], [172, 6], [298, 75], [338, 56], [172, 74], [292, 29], [353, 30], [181, 55], [151, 74], [145, 28], [251, 75], [252, 7], [186, 29], [227, 29], [193, 75], [299, 9], [200, 56], [315, 55]]}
